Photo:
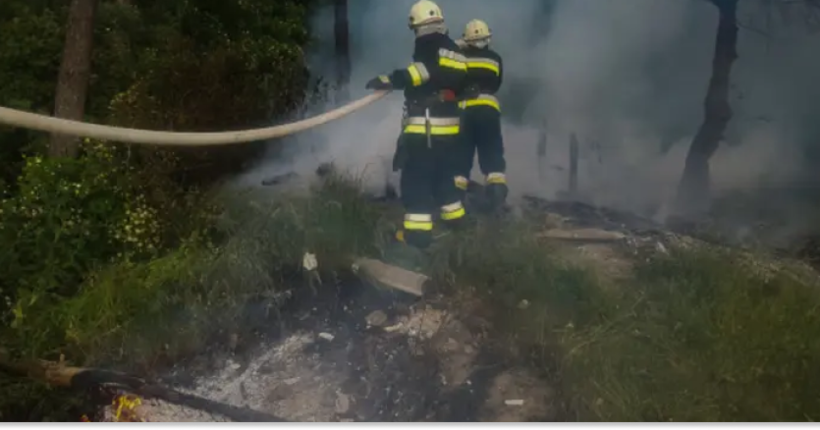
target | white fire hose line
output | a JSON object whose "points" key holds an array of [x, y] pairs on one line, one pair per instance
{"points": [[48, 124]]}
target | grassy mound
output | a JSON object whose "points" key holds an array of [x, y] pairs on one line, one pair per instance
{"points": [[700, 337], [695, 335]]}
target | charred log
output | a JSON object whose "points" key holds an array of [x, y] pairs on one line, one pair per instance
{"points": [[86, 379]]}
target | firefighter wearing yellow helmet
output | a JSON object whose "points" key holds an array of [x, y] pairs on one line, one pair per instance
{"points": [[481, 119], [433, 84]]}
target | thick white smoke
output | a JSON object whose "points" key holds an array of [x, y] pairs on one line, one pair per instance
{"points": [[628, 75]]}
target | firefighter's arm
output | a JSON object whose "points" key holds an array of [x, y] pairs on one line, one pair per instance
{"points": [[500, 74], [381, 82], [500, 71], [419, 72], [452, 65], [432, 64]]}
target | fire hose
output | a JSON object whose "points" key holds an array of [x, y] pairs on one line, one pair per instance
{"points": [[49, 124]]}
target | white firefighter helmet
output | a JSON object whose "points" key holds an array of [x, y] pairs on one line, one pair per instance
{"points": [[476, 30], [425, 12]]}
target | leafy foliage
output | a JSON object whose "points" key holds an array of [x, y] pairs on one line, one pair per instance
{"points": [[93, 244]]}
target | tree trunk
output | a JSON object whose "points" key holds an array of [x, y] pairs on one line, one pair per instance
{"points": [[342, 36], [694, 197], [75, 71]]}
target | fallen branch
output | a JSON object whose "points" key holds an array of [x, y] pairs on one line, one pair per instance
{"points": [[57, 374], [583, 235]]}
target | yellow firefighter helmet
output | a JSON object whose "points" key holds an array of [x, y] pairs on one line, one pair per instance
{"points": [[425, 12], [476, 30]]}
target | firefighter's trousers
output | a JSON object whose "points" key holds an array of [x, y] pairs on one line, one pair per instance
{"points": [[428, 165], [481, 132]]}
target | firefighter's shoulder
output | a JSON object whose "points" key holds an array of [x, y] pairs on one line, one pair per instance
{"points": [[493, 54]]}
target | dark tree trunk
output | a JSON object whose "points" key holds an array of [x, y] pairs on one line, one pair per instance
{"points": [[342, 36], [694, 195], [75, 71]]}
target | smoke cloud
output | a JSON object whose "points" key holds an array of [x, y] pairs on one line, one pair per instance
{"points": [[627, 77]]}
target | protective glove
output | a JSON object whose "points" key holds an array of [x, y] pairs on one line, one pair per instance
{"points": [[461, 43], [381, 82]]}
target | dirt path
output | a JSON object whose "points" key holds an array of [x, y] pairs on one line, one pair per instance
{"points": [[360, 354]]}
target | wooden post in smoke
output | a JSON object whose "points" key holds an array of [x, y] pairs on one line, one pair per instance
{"points": [[541, 153], [573, 166]]}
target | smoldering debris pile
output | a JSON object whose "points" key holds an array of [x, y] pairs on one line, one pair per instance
{"points": [[360, 354], [580, 214]]}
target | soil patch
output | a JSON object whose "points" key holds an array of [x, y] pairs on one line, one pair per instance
{"points": [[355, 353]]}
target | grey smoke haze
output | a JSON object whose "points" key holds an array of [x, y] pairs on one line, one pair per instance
{"points": [[630, 75]]}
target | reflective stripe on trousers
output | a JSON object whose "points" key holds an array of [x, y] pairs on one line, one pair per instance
{"points": [[418, 222], [462, 183], [481, 100], [452, 211], [438, 126], [496, 178]]}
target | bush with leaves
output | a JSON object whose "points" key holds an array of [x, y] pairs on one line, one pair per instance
{"points": [[94, 245], [67, 217], [186, 64]]}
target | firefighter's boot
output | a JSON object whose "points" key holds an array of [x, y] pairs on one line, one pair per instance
{"points": [[401, 254], [496, 196]]}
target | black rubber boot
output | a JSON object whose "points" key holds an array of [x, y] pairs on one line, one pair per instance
{"points": [[401, 254], [496, 196]]}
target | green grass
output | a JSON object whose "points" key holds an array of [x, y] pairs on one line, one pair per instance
{"points": [[141, 316], [697, 335], [701, 337]]}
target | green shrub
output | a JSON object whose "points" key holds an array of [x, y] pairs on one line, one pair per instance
{"points": [[70, 216], [110, 257], [139, 314], [135, 307]]}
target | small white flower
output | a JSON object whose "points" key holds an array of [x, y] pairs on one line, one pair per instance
{"points": [[309, 262]]}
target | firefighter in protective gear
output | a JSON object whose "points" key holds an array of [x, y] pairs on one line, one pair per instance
{"points": [[427, 153], [481, 119]]}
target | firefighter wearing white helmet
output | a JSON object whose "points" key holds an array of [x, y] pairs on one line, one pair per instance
{"points": [[425, 12], [433, 84], [481, 119]]}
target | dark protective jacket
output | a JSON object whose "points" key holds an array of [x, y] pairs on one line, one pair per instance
{"points": [[485, 72], [436, 79]]}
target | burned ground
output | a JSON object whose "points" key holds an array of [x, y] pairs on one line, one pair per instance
{"points": [[357, 353]]}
